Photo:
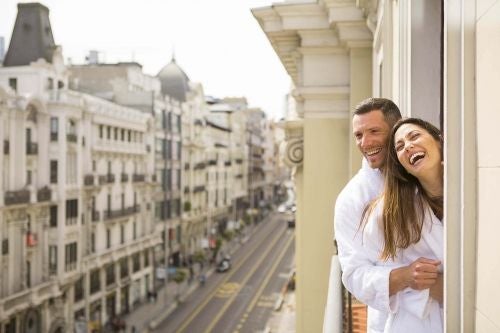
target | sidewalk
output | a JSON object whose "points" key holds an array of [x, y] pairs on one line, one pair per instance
{"points": [[283, 321], [148, 315]]}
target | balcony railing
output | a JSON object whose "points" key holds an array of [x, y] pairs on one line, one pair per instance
{"points": [[17, 197], [71, 137], [112, 214], [124, 178], [31, 239], [199, 189], [31, 148], [138, 178], [44, 194], [200, 166], [6, 147], [88, 180], [95, 216], [106, 179]]}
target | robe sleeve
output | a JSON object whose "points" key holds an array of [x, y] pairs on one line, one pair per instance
{"points": [[368, 282]]}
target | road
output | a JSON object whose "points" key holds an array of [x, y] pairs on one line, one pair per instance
{"points": [[242, 299]]}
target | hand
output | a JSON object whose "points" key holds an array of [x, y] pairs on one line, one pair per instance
{"points": [[436, 290], [422, 273]]}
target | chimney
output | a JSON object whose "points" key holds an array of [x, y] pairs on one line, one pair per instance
{"points": [[32, 36]]}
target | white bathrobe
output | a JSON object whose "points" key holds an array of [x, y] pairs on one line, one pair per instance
{"points": [[365, 186], [410, 311]]}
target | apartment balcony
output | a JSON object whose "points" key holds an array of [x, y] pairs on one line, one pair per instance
{"points": [[212, 162], [71, 137], [124, 178], [88, 180], [31, 239], [31, 148], [106, 179], [200, 188], [96, 216], [17, 197], [44, 194], [227, 163], [124, 212], [6, 147], [199, 166], [137, 178]]}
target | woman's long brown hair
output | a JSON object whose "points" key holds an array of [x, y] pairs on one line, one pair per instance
{"points": [[404, 199]]}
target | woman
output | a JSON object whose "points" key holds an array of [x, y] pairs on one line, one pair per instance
{"points": [[404, 224]]}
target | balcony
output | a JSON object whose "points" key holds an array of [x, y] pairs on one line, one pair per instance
{"points": [[44, 194], [95, 216], [6, 147], [106, 179], [124, 178], [200, 166], [17, 197], [31, 239], [88, 180], [227, 163], [71, 137], [199, 189], [212, 162], [31, 148], [136, 178], [112, 214]]}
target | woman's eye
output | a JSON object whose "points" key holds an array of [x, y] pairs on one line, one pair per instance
{"points": [[399, 147]]}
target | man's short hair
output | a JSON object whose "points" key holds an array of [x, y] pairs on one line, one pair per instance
{"points": [[389, 109]]}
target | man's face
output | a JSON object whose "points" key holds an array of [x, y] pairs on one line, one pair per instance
{"points": [[371, 133]]}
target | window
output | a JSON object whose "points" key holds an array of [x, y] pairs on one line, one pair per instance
{"points": [[101, 131], [123, 268], [146, 258], [13, 83], [95, 281], [28, 177], [53, 172], [92, 243], [10, 327], [5, 246], [70, 257], [54, 128], [71, 211], [136, 259], [116, 133], [135, 230], [110, 274], [109, 132], [122, 234], [28, 274], [178, 234], [53, 216], [108, 238], [53, 259], [79, 290], [123, 135]]}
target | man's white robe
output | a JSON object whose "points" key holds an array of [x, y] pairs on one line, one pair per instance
{"points": [[410, 311], [364, 187]]}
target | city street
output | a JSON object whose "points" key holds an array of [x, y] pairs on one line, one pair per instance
{"points": [[242, 299]]}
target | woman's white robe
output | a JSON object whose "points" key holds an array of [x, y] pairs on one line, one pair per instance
{"points": [[410, 311]]}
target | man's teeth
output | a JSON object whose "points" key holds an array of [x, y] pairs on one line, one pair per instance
{"points": [[414, 157], [373, 151]]}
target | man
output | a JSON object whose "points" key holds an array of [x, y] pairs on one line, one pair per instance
{"points": [[374, 285]]}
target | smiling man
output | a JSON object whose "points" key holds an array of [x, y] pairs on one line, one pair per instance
{"points": [[372, 122]]}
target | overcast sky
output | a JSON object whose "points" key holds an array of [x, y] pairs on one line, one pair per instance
{"points": [[217, 42]]}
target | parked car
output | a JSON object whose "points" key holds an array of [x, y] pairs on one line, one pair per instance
{"points": [[224, 265], [290, 220]]}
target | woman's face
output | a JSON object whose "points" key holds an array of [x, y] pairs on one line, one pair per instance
{"points": [[418, 152]]}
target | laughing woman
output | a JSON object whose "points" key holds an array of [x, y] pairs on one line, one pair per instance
{"points": [[403, 228]]}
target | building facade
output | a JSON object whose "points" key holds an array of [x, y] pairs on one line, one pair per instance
{"points": [[437, 61]]}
